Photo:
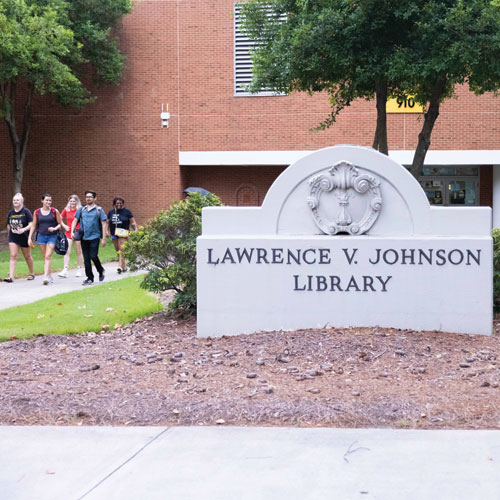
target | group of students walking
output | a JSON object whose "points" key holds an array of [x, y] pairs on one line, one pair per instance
{"points": [[86, 226]]}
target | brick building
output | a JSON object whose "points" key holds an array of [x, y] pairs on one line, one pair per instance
{"points": [[182, 54]]}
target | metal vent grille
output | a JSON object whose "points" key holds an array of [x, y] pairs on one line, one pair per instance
{"points": [[243, 65]]}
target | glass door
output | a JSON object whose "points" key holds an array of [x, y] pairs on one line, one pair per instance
{"points": [[451, 191], [449, 185], [462, 192]]}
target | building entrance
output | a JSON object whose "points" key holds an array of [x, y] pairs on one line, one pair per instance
{"points": [[451, 186]]}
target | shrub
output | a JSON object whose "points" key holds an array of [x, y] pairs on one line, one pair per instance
{"points": [[166, 246], [496, 267]]}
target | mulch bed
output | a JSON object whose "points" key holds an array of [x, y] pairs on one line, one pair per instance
{"points": [[157, 372]]}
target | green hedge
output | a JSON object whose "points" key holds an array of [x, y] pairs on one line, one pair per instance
{"points": [[166, 247]]}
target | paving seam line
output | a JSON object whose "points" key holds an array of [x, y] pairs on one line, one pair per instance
{"points": [[152, 440]]}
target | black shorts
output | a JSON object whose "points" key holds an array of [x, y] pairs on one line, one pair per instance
{"points": [[19, 239]]}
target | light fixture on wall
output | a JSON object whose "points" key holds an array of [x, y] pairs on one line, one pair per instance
{"points": [[165, 117]]}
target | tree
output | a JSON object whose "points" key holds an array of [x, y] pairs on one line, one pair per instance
{"points": [[454, 42], [342, 47], [47, 47], [376, 48]]}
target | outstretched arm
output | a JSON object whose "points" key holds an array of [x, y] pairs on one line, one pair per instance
{"points": [[32, 226]]}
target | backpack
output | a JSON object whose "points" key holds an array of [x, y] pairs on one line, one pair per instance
{"points": [[61, 247], [37, 212]]}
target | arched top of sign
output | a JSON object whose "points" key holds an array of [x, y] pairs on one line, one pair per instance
{"points": [[346, 190], [350, 190]]}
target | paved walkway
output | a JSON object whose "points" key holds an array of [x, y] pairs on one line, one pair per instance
{"points": [[23, 291], [233, 463]]}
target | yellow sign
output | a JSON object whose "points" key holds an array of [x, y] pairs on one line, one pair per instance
{"points": [[403, 104]]}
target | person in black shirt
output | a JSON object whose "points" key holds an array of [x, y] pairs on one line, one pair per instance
{"points": [[120, 222], [19, 221]]}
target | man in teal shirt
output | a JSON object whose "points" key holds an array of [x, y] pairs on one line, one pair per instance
{"points": [[95, 227]]}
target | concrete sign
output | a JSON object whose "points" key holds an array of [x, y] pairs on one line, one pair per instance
{"points": [[345, 237]]}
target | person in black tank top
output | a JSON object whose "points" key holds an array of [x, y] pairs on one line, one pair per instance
{"points": [[47, 222]]}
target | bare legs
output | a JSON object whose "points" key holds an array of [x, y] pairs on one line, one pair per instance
{"points": [[47, 251], [78, 247], [14, 252], [118, 243]]}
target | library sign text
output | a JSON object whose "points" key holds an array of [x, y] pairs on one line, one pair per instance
{"points": [[331, 259]]}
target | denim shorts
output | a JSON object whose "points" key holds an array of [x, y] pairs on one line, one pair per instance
{"points": [[47, 239]]}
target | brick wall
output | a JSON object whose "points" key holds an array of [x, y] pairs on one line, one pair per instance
{"points": [[181, 53], [116, 145], [239, 185]]}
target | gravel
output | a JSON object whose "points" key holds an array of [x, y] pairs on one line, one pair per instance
{"points": [[157, 372]]}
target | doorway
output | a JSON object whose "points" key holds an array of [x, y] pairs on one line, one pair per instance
{"points": [[451, 186]]}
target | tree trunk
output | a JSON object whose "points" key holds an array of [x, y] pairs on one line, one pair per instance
{"points": [[424, 137], [380, 138], [19, 145]]}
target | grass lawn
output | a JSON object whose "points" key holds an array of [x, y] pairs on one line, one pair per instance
{"points": [[118, 302], [106, 254]]}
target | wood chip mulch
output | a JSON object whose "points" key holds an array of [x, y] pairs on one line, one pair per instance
{"points": [[157, 372]]}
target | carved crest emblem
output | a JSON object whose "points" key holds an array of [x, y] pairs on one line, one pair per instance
{"points": [[344, 201]]}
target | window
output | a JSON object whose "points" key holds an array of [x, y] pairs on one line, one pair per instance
{"points": [[243, 65], [451, 186]]}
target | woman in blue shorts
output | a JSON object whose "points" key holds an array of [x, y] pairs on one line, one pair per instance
{"points": [[47, 221], [19, 223]]}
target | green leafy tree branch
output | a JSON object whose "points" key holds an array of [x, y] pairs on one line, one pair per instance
{"points": [[47, 47]]}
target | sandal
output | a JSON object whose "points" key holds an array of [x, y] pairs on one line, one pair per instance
{"points": [[8, 280], [30, 277]]}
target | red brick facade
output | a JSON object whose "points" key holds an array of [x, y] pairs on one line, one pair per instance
{"points": [[181, 53]]}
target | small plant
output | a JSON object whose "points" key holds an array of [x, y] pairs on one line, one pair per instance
{"points": [[166, 247], [496, 268], [403, 423]]}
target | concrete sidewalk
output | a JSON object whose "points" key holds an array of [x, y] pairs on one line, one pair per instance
{"points": [[233, 463], [23, 291]]}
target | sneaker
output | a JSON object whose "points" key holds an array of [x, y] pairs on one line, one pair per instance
{"points": [[88, 282], [78, 272], [119, 270], [101, 276], [45, 280], [63, 273], [51, 280]]}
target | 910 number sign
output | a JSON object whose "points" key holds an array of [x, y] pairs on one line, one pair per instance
{"points": [[403, 104]]}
